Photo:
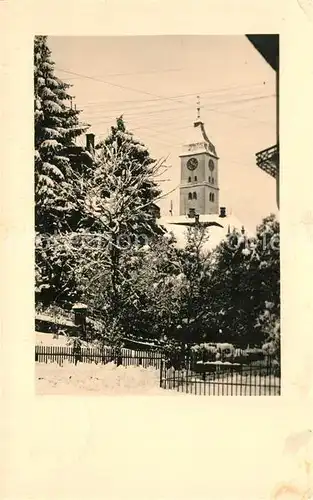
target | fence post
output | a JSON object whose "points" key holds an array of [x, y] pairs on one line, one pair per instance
{"points": [[119, 360], [77, 353], [161, 372], [117, 356], [80, 314]]}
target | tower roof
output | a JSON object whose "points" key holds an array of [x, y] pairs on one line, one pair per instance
{"points": [[198, 140]]}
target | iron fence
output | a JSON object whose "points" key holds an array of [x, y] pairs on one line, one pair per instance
{"points": [[223, 379], [125, 357], [258, 378]]}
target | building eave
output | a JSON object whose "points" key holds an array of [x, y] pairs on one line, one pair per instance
{"points": [[192, 223], [268, 48]]}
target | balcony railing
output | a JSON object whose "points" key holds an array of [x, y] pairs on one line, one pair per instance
{"points": [[268, 160]]}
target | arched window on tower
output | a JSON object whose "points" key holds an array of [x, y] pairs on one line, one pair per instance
{"points": [[189, 179], [212, 196], [196, 178], [194, 196], [212, 180], [209, 179], [189, 196]]}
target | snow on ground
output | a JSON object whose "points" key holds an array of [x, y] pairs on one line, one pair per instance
{"points": [[109, 379], [93, 379], [50, 339]]}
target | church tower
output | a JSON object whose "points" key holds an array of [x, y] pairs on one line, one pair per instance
{"points": [[199, 188]]}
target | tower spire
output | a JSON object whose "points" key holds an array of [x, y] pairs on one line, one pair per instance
{"points": [[199, 123], [198, 108]]}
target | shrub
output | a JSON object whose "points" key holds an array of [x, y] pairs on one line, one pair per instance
{"points": [[205, 351]]}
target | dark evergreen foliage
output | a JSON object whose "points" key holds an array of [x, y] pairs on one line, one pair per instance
{"points": [[56, 127]]}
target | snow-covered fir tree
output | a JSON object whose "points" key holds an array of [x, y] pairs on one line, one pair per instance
{"points": [[122, 141], [56, 127]]}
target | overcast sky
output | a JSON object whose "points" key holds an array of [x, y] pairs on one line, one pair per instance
{"points": [[154, 81]]}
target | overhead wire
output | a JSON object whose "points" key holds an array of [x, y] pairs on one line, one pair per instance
{"points": [[158, 98], [131, 73], [141, 111], [124, 87], [132, 89], [138, 111], [178, 112], [214, 92]]}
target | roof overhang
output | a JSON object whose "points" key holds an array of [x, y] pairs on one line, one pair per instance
{"points": [[192, 223], [268, 47]]}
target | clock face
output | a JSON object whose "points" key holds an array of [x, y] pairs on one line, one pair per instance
{"points": [[211, 165], [192, 163]]}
